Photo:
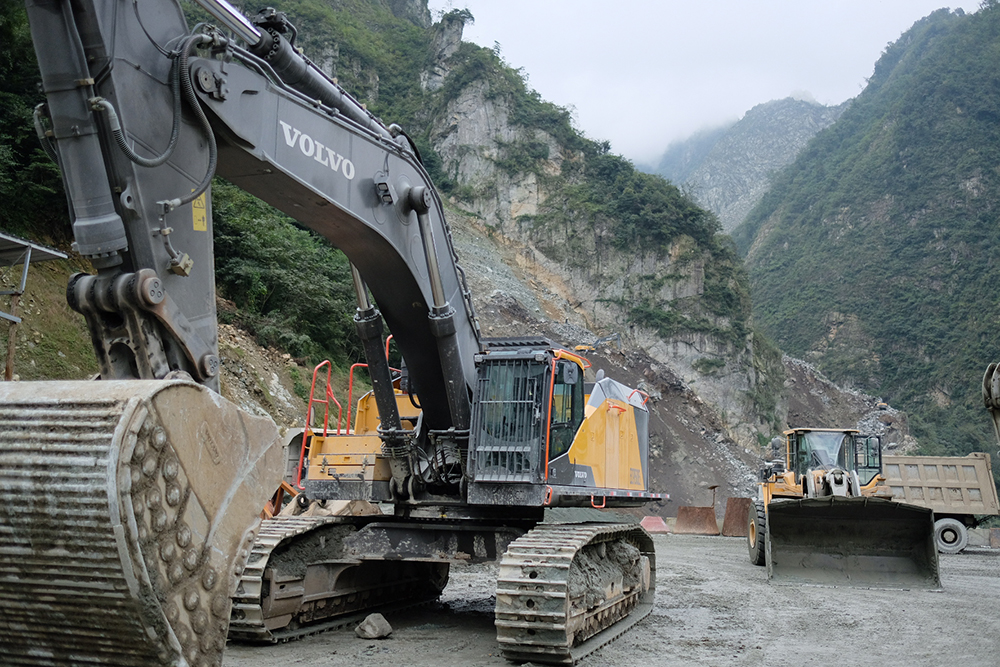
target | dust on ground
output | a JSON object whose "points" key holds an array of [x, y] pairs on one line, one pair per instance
{"points": [[712, 608]]}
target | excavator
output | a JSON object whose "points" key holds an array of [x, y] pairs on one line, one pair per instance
{"points": [[130, 513], [825, 516], [584, 348]]}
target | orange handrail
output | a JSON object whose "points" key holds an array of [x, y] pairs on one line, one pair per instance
{"points": [[308, 432], [350, 385], [645, 396], [566, 354]]}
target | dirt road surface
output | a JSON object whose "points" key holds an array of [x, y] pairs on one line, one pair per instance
{"points": [[712, 608]]}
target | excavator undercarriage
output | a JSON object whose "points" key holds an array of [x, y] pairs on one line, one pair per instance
{"points": [[564, 589]]}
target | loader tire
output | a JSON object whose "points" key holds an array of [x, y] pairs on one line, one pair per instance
{"points": [[756, 532], [950, 536]]}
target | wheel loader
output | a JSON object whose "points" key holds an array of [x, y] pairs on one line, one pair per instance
{"points": [[825, 516], [130, 504]]}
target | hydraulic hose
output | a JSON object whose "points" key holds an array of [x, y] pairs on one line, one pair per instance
{"points": [[192, 100], [101, 104], [42, 137]]}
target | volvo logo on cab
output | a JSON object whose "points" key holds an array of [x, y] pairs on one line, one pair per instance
{"points": [[314, 149]]}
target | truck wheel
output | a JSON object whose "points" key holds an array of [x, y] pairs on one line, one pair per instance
{"points": [[756, 532], [950, 536]]}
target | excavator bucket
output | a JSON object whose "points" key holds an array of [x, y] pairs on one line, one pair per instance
{"points": [[860, 542], [127, 511]]}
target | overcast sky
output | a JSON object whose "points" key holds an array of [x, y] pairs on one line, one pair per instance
{"points": [[644, 73]]}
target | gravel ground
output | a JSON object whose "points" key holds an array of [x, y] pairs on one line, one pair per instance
{"points": [[712, 608]]}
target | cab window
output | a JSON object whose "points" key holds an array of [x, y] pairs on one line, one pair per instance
{"points": [[567, 407]]}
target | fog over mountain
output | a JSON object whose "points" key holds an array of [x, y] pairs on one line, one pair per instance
{"points": [[728, 169]]}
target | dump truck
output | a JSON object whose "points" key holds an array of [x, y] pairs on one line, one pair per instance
{"points": [[960, 490], [824, 515], [132, 502]]}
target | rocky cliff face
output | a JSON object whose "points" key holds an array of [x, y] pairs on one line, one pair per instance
{"points": [[585, 281], [732, 176], [447, 39], [414, 11]]}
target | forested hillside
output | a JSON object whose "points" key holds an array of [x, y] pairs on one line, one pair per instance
{"points": [[874, 254]]}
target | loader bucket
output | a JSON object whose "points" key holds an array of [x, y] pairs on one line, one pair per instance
{"points": [[860, 542], [696, 521]]}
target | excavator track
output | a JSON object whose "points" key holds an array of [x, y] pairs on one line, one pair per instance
{"points": [[125, 516], [559, 595], [298, 582]]}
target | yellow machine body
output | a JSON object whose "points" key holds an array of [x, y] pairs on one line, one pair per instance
{"points": [[354, 453], [560, 439], [608, 444]]}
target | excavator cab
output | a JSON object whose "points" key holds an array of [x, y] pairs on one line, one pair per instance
{"points": [[828, 518], [542, 435]]}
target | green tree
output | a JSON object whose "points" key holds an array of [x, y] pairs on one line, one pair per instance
{"points": [[293, 289], [29, 182]]}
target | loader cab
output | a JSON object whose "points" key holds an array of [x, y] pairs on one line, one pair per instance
{"points": [[826, 449], [867, 457], [817, 449]]}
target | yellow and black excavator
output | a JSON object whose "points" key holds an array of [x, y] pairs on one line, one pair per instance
{"points": [[592, 347], [824, 515], [130, 504]]}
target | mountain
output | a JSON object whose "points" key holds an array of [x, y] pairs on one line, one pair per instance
{"points": [[683, 157], [557, 236], [562, 239], [873, 255], [728, 169]]}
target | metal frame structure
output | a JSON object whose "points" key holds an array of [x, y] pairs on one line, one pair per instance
{"points": [[14, 251]]}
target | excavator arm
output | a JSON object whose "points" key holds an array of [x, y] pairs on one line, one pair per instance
{"points": [[141, 114], [129, 505]]}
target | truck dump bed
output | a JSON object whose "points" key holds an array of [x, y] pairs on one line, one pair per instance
{"points": [[946, 484]]}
